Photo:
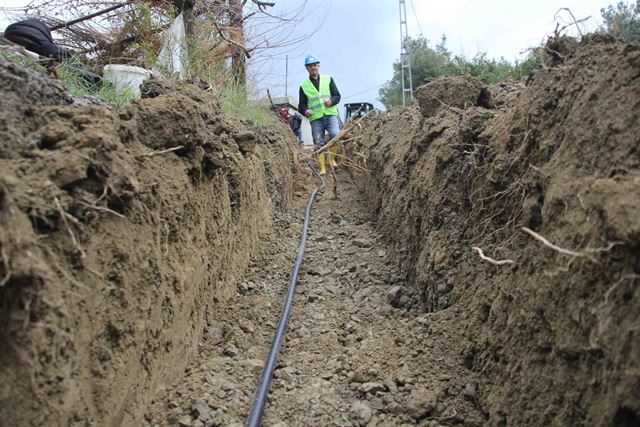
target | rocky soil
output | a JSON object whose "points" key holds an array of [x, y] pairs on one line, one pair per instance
{"points": [[355, 353]]}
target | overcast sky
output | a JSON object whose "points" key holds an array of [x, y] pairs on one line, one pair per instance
{"points": [[357, 41]]}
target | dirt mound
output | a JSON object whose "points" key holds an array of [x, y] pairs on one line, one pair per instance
{"points": [[452, 92], [121, 229], [521, 222]]}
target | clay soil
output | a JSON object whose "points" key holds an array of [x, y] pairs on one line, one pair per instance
{"points": [[479, 266]]}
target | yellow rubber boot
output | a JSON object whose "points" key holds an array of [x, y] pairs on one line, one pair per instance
{"points": [[322, 164], [332, 155]]}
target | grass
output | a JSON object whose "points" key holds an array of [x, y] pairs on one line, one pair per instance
{"points": [[73, 80], [235, 102], [79, 86], [207, 59]]}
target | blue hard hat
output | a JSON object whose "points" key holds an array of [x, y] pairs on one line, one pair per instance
{"points": [[310, 59]]}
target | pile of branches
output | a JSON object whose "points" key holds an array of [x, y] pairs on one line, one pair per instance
{"points": [[119, 31]]}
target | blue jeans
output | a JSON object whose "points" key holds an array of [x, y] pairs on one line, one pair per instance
{"points": [[324, 123]]}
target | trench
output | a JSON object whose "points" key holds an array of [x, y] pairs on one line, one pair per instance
{"points": [[355, 352], [163, 317]]}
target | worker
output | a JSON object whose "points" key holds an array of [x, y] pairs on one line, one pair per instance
{"points": [[283, 112], [319, 96], [296, 126]]}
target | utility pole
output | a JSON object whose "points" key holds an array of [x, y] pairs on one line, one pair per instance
{"points": [[405, 60]]}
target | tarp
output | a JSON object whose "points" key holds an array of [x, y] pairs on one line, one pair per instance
{"points": [[173, 56]]}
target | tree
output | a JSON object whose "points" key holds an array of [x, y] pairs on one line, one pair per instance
{"points": [[428, 63], [622, 21], [130, 31]]}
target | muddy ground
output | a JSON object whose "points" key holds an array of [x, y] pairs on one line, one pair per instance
{"points": [[480, 266]]}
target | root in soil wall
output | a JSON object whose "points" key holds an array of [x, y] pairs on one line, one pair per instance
{"points": [[548, 177], [120, 230]]}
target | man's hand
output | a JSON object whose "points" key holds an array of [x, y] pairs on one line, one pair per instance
{"points": [[308, 113], [328, 103]]}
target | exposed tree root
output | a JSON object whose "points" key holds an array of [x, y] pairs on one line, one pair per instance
{"points": [[491, 260]]}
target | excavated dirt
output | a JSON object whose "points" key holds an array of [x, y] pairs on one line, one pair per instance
{"points": [[121, 230], [545, 182], [480, 266]]}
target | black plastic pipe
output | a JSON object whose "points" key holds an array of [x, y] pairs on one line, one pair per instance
{"points": [[260, 396]]}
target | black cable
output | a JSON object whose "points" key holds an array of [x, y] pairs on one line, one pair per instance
{"points": [[260, 396]]}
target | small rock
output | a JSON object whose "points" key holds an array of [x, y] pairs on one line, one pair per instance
{"points": [[184, 421], [285, 374], [470, 391], [243, 288], [376, 403], [318, 316], [361, 412], [373, 387], [442, 287], [404, 300], [391, 385], [350, 327], [382, 253], [215, 332], [230, 350], [303, 331], [202, 410], [210, 379], [363, 376], [360, 243], [197, 423], [394, 296], [334, 290], [421, 402], [321, 239], [326, 376], [252, 365], [324, 272]]}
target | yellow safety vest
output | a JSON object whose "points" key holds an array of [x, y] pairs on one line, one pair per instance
{"points": [[316, 99]]}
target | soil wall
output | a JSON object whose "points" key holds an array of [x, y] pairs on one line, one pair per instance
{"points": [[545, 179], [114, 249]]}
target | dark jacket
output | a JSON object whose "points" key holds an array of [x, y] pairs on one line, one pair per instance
{"points": [[35, 36], [295, 122], [303, 100]]}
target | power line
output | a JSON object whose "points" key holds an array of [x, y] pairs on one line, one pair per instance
{"points": [[364, 91], [416, 16]]}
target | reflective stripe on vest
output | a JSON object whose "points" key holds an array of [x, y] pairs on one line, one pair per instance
{"points": [[316, 99]]}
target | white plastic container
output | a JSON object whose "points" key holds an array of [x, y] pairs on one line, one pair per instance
{"points": [[126, 78]]}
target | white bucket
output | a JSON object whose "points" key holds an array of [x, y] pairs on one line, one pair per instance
{"points": [[126, 77]]}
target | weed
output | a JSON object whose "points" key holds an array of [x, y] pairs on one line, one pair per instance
{"points": [[72, 75]]}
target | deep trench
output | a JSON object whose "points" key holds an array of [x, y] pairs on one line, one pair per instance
{"points": [[355, 353]]}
